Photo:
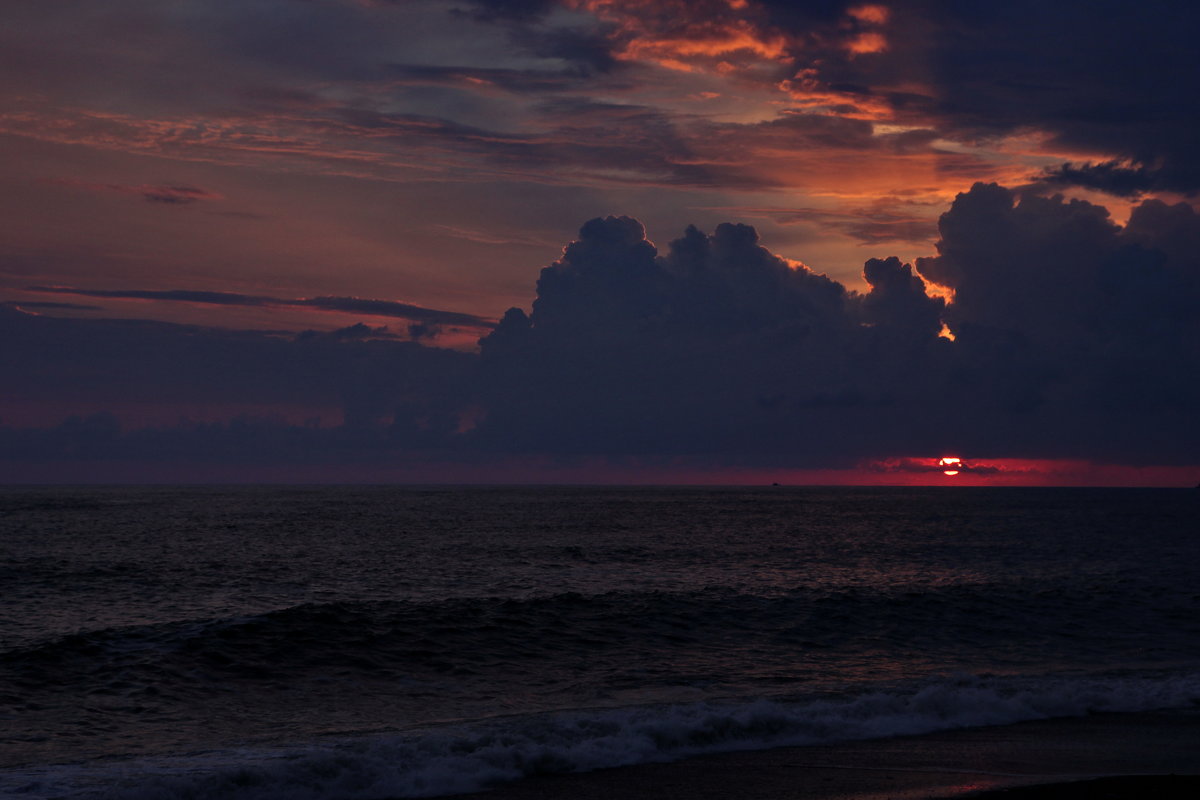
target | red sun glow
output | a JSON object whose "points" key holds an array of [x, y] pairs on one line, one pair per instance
{"points": [[950, 465]]}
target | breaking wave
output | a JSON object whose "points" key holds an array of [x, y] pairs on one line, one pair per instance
{"points": [[469, 757]]}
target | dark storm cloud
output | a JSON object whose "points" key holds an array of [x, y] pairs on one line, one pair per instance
{"points": [[350, 305], [1077, 336], [1074, 338], [1116, 79], [898, 300], [718, 346], [1120, 179]]}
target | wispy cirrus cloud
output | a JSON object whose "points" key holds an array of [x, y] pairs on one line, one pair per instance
{"points": [[352, 305], [35, 305], [483, 79], [165, 194]]}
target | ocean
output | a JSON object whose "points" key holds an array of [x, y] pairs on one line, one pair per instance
{"points": [[350, 643]]}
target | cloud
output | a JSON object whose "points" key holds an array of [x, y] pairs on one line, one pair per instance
{"points": [[649, 148], [477, 79], [492, 10], [930, 466], [1073, 340], [1075, 337], [1073, 331], [1111, 84], [884, 221], [135, 367], [356, 331], [391, 308], [316, 86], [351, 305], [718, 346], [164, 194], [898, 300], [423, 331], [21, 304], [319, 91], [1123, 179], [502, 237]]}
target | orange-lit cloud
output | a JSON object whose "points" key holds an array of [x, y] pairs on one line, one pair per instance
{"points": [[685, 53], [683, 37], [867, 42], [807, 90], [872, 14]]}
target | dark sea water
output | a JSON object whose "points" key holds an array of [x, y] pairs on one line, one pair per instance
{"points": [[386, 642]]}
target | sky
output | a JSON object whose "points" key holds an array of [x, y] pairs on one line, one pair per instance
{"points": [[614, 241]]}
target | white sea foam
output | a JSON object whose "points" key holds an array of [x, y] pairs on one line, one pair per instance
{"points": [[465, 758]]}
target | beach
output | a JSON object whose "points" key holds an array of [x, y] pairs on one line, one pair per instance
{"points": [[1114, 756]]}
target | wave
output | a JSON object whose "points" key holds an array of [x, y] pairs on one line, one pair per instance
{"points": [[470, 757], [416, 631]]}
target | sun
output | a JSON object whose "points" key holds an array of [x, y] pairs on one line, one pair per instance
{"points": [[950, 465]]}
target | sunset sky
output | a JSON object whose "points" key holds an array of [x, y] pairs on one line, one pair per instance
{"points": [[768, 241]]}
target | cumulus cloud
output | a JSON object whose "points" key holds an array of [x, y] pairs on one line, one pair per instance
{"points": [[1074, 337], [716, 346], [1072, 330], [898, 300]]}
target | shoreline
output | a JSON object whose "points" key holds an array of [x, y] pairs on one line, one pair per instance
{"points": [[1111, 755]]}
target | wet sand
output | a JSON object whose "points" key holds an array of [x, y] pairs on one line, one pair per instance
{"points": [[1154, 754]]}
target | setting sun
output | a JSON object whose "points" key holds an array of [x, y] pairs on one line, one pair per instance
{"points": [[950, 465]]}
